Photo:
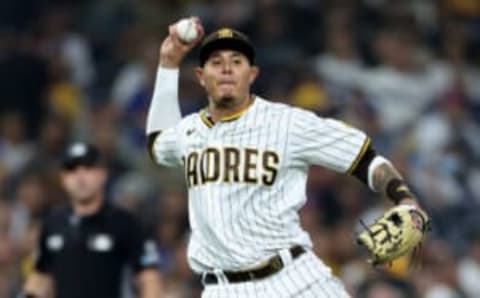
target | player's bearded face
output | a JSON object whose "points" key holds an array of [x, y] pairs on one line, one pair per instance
{"points": [[227, 76], [84, 183]]}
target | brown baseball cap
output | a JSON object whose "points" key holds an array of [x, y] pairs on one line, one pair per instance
{"points": [[226, 38]]}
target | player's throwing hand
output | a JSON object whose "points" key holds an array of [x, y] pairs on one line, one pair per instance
{"points": [[173, 50]]}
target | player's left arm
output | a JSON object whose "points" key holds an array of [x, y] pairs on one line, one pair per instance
{"points": [[382, 176], [344, 149], [401, 229]]}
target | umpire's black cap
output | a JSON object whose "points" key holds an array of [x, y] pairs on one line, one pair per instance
{"points": [[80, 154], [226, 38]]}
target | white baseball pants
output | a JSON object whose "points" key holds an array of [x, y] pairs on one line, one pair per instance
{"points": [[304, 277]]}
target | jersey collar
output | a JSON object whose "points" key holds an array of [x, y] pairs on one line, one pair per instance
{"points": [[207, 120]]}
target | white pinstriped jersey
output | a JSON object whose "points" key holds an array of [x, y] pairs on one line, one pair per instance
{"points": [[247, 177]]}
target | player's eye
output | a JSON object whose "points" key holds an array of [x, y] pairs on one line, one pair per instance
{"points": [[216, 62]]}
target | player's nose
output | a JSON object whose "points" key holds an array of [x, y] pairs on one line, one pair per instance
{"points": [[226, 68]]}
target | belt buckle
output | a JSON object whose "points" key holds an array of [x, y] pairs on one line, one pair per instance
{"points": [[276, 263]]}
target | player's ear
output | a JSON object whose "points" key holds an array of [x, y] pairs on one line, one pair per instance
{"points": [[254, 71], [199, 75]]}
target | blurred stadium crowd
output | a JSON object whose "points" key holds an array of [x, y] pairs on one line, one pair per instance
{"points": [[405, 71]]}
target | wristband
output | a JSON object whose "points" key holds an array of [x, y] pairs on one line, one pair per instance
{"points": [[398, 190]]}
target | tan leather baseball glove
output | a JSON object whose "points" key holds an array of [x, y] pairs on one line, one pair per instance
{"points": [[395, 234]]}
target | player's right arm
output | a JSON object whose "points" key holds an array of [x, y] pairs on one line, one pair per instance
{"points": [[164, 112]]}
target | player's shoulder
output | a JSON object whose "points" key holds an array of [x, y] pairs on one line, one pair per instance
{"points": [[272, 106], [188, 120], [277, 106], [275, 109], [303, 119], [298, 113], [183, 125]]}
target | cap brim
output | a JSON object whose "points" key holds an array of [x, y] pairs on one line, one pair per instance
{"points": [[227, 44]]}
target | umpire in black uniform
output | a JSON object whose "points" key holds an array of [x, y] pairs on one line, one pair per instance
{"points": [[84, 247]]}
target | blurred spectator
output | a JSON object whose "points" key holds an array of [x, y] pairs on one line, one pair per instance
{"points": [[65, 98], [469, 268], [340, 66], [171, 224], [62, 43], [233, 13], [103, 128], [31, 202], [309, 94], [137, 74], [54, 134], [402, 86], [133, 191], [24, 78], [7, 266], [441, 265], [445, 137], [386, 288], [15, 148], [275, 49], [470, 8]]}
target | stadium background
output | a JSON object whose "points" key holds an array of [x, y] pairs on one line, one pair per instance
{"points": [[405, 71]]}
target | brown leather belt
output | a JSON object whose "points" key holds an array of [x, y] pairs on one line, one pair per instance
{"points": [[274, 265]]}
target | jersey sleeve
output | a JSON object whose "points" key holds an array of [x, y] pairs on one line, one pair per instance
{"points": [[42, 256], [165, 148], [140, 248], [325, 142]]}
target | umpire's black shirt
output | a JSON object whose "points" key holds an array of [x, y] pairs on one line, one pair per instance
{"points": [[86, 255]]}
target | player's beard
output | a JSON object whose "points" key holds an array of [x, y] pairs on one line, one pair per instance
{"points": [[226, 102]]}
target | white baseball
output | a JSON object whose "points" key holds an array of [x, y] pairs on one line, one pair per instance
{"points": [[187, 30]]}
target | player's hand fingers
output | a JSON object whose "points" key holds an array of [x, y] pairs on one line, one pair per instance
{"points": [[172, 30], [188, 46], [177, 42], [173, 50], [200, 30]]}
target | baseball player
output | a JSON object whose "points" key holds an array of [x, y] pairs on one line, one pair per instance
{"points": [[246, 161]]}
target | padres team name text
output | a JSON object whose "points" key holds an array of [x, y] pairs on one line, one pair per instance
{"points": [[231, 165]]}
